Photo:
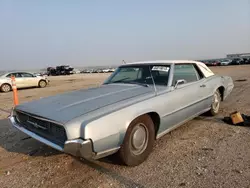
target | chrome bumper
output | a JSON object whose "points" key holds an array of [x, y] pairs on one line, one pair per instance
{"points": [[77, 147]]}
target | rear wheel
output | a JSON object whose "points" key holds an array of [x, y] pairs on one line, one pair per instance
{"points": [[138, 142], [215, 106], [42, 84], [5, 88]]}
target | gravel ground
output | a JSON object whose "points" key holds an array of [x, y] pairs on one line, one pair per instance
{"points": [[204, 152]]}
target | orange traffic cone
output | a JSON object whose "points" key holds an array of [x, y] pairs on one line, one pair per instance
{"points": [[14, 88]]}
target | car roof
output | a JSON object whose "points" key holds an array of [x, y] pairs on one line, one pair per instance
{"points": [[164, 62], [205, 70], [13, 72]]}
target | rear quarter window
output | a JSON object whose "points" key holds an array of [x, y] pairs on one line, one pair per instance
{"points": [[205, 70]]}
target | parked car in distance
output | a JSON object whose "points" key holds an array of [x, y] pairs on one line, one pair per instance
{"points": [[246, 61], [138, 103], [23, 80], [211, 63], [76, 71], [207, 63], [60, 70], [236, 61], [215, 63], [225, 62]]}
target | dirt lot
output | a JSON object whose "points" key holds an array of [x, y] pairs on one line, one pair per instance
{"points": [[205, 152]]}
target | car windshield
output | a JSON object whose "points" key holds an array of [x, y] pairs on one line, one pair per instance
{"points": [[140, 74]]}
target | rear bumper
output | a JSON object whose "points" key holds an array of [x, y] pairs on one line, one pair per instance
{"points": [[76, 147]]}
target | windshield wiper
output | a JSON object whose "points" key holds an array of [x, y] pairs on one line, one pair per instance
{"points": [[138, 83], [130, 82], [117, 81]]}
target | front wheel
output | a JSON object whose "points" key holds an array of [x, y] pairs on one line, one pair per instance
{"points": [[42, 84], [138, 142], [215, 106]]}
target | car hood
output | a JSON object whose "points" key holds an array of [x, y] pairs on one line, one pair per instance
{"points": [[65, 107]]}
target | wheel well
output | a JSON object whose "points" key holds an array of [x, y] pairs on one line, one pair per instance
{"points": [[221, 90], [42, 80], [156, 120], [6, 84]]}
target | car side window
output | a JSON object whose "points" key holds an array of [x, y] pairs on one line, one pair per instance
{"points": [[26, 75], [205, 69], [17, 75], [187, 72]]}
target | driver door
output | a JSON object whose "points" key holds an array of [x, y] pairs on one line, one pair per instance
{"points": [[182, 102]]}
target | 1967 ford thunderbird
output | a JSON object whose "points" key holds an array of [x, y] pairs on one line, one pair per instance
{"points": [[137, 104]]}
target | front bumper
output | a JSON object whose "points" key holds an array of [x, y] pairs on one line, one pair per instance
{"points": [[47, 80], [76, 147]]}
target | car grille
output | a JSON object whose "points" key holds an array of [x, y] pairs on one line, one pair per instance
{"points": [[48, 130]]}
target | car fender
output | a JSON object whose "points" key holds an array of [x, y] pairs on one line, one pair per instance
{"points": [[228, 84], [216, 82], [112, 137], [42, 79], [5, 81]]}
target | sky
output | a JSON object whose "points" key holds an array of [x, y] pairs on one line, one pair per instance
{"points": [[37, 34]]}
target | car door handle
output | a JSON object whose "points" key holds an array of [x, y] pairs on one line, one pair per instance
{"points": [[203, 85]]}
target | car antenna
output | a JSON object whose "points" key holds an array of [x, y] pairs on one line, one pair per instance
{"points": [[124, 62]]}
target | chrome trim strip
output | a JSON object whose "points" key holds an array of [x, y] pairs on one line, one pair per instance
{"points": [[92, 98], [33, 135], [77, 141], [182, 108], [179, 124], [106, 153]]}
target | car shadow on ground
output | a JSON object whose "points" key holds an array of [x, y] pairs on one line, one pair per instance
{"points": [[15, 141], [12, 140], [112, 159], [210, 119], [96, 165]]}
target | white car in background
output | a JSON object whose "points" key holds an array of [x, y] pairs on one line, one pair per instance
{"points": [[76, 71], [105, 70], [23, 80], [225, 62]]}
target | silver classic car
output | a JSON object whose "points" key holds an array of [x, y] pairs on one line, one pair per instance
{"points": [[137, 104]]}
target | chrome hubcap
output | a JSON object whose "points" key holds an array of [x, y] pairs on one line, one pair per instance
{"points": [[42, 84], [139, 139], [6, 88], [216, 102]]}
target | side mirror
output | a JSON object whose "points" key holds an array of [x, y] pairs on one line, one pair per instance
{"points": [[179, 82]]}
